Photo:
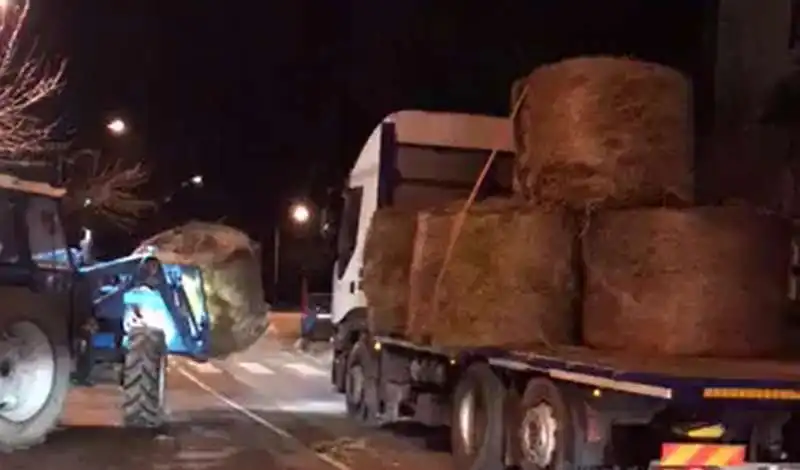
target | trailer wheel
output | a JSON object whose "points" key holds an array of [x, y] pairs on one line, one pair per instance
{"points": [[144, 379], [35, 366], [549, 435], [360, 386], [477, 430]]}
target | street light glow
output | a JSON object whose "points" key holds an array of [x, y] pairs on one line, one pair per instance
{"points": [[116, 126], [197, 180], [300, 213]]}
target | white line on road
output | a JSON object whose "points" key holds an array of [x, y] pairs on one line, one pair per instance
{"points": [[261, 421], [255, 368], [304, 369], [204, 367]]}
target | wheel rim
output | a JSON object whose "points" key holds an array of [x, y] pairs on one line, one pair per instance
{"points": [[471, 421], [28, 372], [538, 432]]}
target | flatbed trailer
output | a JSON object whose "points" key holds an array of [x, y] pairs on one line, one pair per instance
{"points": [[561, 407], [556, 408]]}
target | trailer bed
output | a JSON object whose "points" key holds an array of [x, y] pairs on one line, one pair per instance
{"points": [[684, 378]]}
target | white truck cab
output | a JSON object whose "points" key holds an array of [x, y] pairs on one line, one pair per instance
{"points": [[412, 159]]}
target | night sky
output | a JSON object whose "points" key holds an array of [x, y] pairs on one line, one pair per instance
{"points": [[272, 100]]}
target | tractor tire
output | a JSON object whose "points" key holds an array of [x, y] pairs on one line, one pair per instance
{"points": [[144, 378], [38, 398]]}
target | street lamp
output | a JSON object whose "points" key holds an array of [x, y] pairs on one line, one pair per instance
{"points": [[299, 214], [116, 126]]}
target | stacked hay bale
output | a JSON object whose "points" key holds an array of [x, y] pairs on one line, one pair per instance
{"points": [[604, 132], [612, 138], [604, 191], [387, 260], [231, 265], [510, 281], [706, 281]]}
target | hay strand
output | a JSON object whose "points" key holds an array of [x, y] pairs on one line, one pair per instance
{"points": [[458, 223], [706, 281], [606, 131]]}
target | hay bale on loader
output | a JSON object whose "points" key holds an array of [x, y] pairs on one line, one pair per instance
{"points": [[387, 261], [510, 281], [605, 131], [231, 266], [705, 281]]}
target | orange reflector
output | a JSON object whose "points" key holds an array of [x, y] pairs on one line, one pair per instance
{"points": [[703, 455]]}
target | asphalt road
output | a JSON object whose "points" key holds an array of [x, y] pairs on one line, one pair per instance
{"points": [[270, 408]]}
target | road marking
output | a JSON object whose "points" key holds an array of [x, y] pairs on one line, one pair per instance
{"points": [[261, 421], [255, 368], [304, 369], [204, 367]]}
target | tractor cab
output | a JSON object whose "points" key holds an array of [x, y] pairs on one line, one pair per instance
{"points": [[33, 242]]}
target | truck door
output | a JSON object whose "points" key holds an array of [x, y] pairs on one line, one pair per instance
{"points": [[347, 293]]}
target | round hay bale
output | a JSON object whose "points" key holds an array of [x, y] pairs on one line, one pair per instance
{"points": [[510, 282], [231, 266], [608, 131], [706, 281], [387, 261]]}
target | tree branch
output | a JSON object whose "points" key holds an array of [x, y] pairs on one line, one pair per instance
{"points": [[25, 81], [110, 190]]}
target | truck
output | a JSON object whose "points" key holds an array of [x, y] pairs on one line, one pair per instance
{"points": [[556, 408], [67, 321]]}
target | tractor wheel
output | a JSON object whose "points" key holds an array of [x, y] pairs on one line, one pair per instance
{"points": [[35, 367], [144, 378]]}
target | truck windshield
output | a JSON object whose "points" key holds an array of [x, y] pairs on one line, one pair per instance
{"points": [[48, 242]]}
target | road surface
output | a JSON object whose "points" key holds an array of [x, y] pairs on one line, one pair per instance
{"points": [[270, 408]]}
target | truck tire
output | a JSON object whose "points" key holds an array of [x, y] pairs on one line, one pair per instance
{"points": [[550, 433], [144, 377], [477, 431], [34, 401], [361, 385]]}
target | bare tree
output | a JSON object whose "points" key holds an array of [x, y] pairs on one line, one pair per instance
{"points": [[26, 81], [109, 188]]}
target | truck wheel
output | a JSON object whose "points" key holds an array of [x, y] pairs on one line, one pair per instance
{"points": [[35, 367], [144, 379], [477, 430], [549, 434], [360, 385]]}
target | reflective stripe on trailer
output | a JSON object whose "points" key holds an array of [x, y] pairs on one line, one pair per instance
{"points": [[701, 455]]}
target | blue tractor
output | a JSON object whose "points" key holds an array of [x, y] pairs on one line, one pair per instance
{"points": [[66, 320]]}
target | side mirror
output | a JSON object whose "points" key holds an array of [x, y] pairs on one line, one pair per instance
{"points": [[329, 215]]}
